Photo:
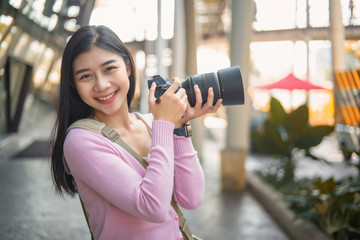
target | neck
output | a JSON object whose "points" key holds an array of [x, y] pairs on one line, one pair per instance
{"points": [[121, 121]]}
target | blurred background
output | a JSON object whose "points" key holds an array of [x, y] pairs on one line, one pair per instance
{"points": [[299, 52], [285, 37]]}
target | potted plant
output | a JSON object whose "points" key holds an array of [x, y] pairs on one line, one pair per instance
{"points": [[288, 135]]}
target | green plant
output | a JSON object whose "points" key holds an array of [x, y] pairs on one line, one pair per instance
{"points": [[286, 134], [334, 206]]}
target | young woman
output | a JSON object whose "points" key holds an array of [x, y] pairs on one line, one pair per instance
{"points": [[123, 200]]}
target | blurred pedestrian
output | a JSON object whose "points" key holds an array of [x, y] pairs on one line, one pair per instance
{"points": [[351, 8]]}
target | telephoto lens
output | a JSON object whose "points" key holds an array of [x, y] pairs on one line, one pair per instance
{"points": [[226, 83]]}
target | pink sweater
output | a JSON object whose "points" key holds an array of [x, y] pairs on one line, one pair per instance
{"points": [[125, 201]]}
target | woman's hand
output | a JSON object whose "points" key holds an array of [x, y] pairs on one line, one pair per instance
{"points": [[198, 110], [172, 106]]}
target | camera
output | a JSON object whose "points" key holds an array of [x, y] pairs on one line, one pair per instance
{"points": [[226, 83]]}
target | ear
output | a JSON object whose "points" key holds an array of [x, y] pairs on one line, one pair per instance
{"points": [[128, 69]]}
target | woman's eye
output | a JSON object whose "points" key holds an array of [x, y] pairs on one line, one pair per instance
{"points": [[109, 68], [85, 76]]}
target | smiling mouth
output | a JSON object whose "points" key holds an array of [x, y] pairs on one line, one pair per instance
{"points": [[107, 97]]}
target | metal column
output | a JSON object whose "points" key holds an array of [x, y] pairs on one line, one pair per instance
{"points": [[237, 134], [191, 69], [337, 36]]}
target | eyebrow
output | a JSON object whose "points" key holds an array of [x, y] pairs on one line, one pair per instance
{"points": [[102, 65]]}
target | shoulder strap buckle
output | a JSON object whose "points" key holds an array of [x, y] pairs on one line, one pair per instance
{"points": [[110, 133]]}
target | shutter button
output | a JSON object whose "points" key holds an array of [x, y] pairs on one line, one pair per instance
{"points": [[176, 217]]}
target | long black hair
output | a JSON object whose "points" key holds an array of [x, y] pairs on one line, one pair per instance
{"points": [[70, 106]]}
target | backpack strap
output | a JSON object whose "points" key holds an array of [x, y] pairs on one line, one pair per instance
{"points": [[113, 135], [86, 217]]}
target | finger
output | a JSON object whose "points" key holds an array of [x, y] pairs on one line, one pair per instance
{"points": [[210, 98], [152, 92], [198, 97], [181, 92], [184, 99], [174, 86], [216, 106]]}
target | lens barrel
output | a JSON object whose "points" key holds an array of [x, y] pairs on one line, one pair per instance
{"points": [[204, 82], [226, 83]]}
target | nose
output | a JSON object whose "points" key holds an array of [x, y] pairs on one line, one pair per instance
{"points": [[101, 84]]}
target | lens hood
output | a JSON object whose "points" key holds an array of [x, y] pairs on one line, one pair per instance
{"points": [[231, 86]]}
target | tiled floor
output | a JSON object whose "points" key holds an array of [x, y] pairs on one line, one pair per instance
{"points": [[229, 215], [31, 210]]}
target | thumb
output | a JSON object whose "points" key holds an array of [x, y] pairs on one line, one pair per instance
{"points": [[152, 92]]}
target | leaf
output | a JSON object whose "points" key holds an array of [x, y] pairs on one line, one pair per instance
{"points": [[327, 186], [322, 130], [312, 136], [277, 111], [269, 140], [297, 121]]}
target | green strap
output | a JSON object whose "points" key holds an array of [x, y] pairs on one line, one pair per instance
{"points": [[87, 218], [184, 227], [114, 136]]}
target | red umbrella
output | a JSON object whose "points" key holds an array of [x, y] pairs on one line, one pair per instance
{"points": [[290, 82]]}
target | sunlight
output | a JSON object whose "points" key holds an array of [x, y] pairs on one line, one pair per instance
{"points": [[135, 20]]}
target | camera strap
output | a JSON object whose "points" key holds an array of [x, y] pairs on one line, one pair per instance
{"points": [[114, 136]]}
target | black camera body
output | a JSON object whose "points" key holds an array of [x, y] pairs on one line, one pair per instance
{"points": [[162, 84], [226, 83]]}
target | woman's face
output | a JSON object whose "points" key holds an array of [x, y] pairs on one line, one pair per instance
{"points": [[102, 80]]}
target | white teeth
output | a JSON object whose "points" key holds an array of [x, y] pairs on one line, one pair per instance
{"points": [[107, 98]]}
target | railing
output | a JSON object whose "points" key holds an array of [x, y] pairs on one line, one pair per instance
{"points": [[347, 111]]}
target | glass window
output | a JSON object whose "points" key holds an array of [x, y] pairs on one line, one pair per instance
{"points": [[4, 45], [34, 52], [288, 14], [319, 13], [5, 23], [351, 12], [134, 19], [274, 15], [15, 3], [42, 68], [49, 90], [22, 45]]}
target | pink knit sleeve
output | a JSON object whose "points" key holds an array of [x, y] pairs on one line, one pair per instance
{"points": [[189, 176], [98, 163]]}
